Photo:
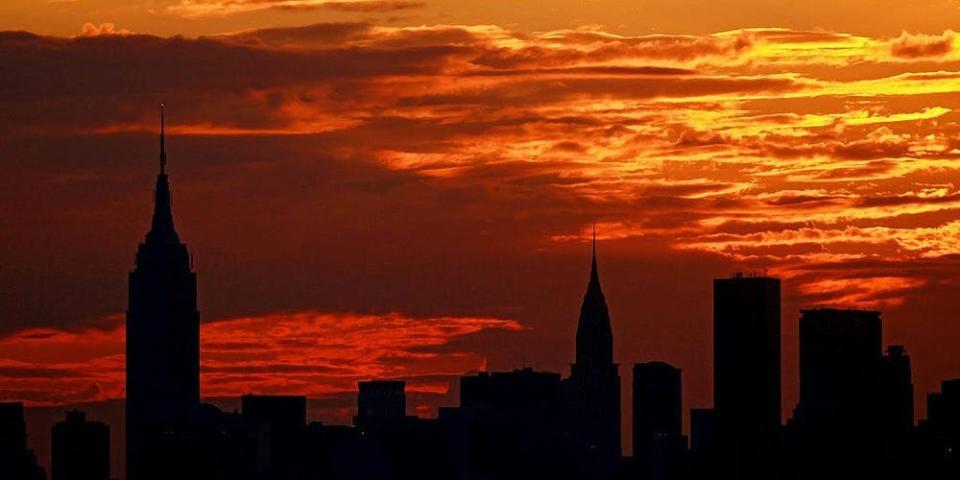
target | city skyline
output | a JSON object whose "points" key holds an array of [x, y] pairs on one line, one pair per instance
{"points": [[300, 193], [166, 425]]}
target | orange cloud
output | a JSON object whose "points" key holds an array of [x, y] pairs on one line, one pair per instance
{"points": [[872, 292]]}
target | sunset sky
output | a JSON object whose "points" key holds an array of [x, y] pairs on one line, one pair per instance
{"points": [[405, 189]]}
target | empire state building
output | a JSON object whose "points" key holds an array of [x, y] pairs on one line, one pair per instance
{"points": [[163, 337]]}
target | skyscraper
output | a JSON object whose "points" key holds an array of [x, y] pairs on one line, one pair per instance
{"points": [[897, 390], [746, 369], [840, 351], [163, 337], [856, 404], [656, 403], [381, 402], [658, 444], [80, 449], [593, 387], [896, 411]]}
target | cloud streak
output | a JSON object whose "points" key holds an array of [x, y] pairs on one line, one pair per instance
{"points": [[304, 353], [207, 8]]}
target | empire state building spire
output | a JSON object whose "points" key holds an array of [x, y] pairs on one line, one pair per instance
{"points": [[161, 228]]}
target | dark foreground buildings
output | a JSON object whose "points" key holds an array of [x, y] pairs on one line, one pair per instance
{"points": [[854, 418], [380, 402], [80, 449], [511, 425], [17, 462], [938, 437]]}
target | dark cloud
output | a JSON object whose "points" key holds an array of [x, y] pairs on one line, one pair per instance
{"points": [[920, 46], [31, 372], [356, 6], [140, 64], [312, 36]]}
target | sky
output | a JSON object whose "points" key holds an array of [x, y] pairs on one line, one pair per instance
{"points": [[406, 189]]}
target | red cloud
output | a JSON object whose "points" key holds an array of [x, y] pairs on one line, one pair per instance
{"points": [[307, 353]]}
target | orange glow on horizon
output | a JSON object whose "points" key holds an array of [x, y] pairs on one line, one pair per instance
{"points": [[307, 353]]}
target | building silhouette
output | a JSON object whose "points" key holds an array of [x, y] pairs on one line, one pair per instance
{"points": [[593, 388], [381, 402], [17, 462], [277, 425], [746, 366], [856, 409], [659, 447], [832, 432], [704, 444], [80, 449], [509, 425], [895, 410], [393, 445], [840, 351], [937, 446], [703, 431], [162, 340]]}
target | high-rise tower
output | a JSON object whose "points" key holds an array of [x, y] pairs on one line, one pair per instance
{"points": [[659, 446], [856, 404], [593, 388], [746, 376], [163, 337]]}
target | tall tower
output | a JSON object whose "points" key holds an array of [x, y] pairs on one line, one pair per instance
{"points": [[163, 337], [746, 375], [856, 404], [658, 441], [593, 388]]}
